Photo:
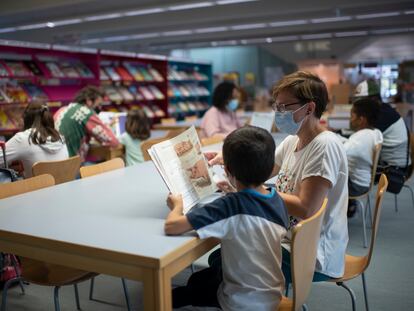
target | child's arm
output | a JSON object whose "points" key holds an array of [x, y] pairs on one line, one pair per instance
{"points": [[176, 222]]}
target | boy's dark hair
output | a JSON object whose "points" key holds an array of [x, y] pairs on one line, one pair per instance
{"points": [[88, 92], [137, 124], [249, 155], [306, 87], [367, 107], [38, 117], [223, 93]]}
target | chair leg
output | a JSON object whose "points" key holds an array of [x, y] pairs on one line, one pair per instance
{"points": [[192, 268], [412, 192], [287, 289], [369, 211], [56, 298], [126, 294], [77, 296], [364, 285], [364, 229], [91, 289], [351, 293], [5, 289], [395, 203], [305, 308]]}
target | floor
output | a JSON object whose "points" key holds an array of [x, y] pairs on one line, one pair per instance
{"points": [[390, 276]]}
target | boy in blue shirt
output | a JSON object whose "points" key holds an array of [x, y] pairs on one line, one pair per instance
{"points": [[246, 274]]}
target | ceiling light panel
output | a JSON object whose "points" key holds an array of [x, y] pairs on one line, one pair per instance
{"points": [[249, 26], [191, 6], [331, 19], [377, 15], [288, 23]]}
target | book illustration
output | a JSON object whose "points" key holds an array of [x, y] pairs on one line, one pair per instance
{"points": [[184, 168], [54, 69], [114, 120]]}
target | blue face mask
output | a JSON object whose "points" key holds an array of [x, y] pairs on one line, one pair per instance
{"points": [[233, 104], [285, 122]]}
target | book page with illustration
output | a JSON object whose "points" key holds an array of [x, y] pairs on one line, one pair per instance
{"points": [[183, 167]]}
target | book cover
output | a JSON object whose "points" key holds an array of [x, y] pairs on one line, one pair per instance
{"points": [[69, 70], [3, 71], [84, 71], [146, 93], [156, 75], [55, 70], [113, 75], [18, 69], [157, 93], [124, 74]]}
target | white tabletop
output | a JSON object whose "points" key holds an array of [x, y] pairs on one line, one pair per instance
{"points": [[122, 211]]}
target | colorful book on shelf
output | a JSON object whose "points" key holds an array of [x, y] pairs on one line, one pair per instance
{"points": [[133, 70], [184, 91], [84, 71], [134, 91], [146, 93], [33, 67], [148, 112], [146, 74], [102, 75], [69, 70], [124, 74], [156, 75], [3, 97], [192, 106], [16, 94], [170, 91], [18, 69], [183, 167], [183, 106], [111, 72], [126, 95], [157, 93], [3, 71], [157, 111], [35, 92], [55, 70], [112, 94], [199, 76]]}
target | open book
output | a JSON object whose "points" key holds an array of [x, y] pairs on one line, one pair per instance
{"points": [[184, 168]]}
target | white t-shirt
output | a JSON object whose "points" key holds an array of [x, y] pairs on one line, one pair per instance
{"points": [[324, 156], [359, 150], [394, 146], [20, 148]]}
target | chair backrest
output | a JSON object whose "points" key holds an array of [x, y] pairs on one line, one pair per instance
{"points": [[62, 171], [191, 119], [382, 187], [212, 140], [91, 170], [410, 173], [375, 159], [148, 144], [168, 121], [173, 133], [305, 239], [26, 185]]}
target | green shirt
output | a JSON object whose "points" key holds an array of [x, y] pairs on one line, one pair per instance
{"points": [[133, 153]]}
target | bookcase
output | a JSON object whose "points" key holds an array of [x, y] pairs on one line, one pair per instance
{"points": [[162, 87]]}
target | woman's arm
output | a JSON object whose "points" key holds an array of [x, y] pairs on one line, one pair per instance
{"points": [[313, 190]]}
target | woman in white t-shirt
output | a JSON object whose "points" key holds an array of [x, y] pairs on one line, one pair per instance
{"points": [[39, 141], [359, 147], [311, 165]]}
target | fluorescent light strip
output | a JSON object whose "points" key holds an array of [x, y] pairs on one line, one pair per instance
{"points": [[8, 29], [285, 38], [288, 23], [387, 31], [34, 26], [377, 15], [350, 34], [102, 17], [211, 29], [190, 6], [176, 33], [317, 36], [144, 36], [144, 12], [409, 12], [222, 2], [67, 22], [249, 26], [331, 19]]}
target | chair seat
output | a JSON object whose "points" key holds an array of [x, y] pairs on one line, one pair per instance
{"points": [[354, 266], [286, 304], [43, 273]]}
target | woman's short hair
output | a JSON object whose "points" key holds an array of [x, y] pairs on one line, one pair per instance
{"points": [[38, 117], [137, 124], [367, 107], [88, 92], [223, 93], [306, 87]]}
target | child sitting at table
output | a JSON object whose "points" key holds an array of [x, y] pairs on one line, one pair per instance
{"points": [[250, 224], [137, 129]]}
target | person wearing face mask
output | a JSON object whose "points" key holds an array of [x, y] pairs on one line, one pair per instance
{"points": [[360, 147], [221, 119], [78, 122]]}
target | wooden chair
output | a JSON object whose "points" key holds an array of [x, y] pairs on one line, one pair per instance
{"points": [[35, 271], [88, 171], [375, 157], [410, 173], [212, 140], [191, 119], [305, 239], [62, 171], [148, 144], [91, 170], [173, 133], [168, 121], [356, 265]]}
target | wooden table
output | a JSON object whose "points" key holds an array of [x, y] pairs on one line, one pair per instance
{"points": [[178, 125], [119, 232]]}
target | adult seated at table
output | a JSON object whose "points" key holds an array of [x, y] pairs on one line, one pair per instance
{"points": [[221, 119], [39, 141], [78, 122], [392, 126], [360, 147]]}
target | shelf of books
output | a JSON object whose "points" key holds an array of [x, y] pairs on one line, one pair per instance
{"points": [[189, 88], [134, 81]]}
